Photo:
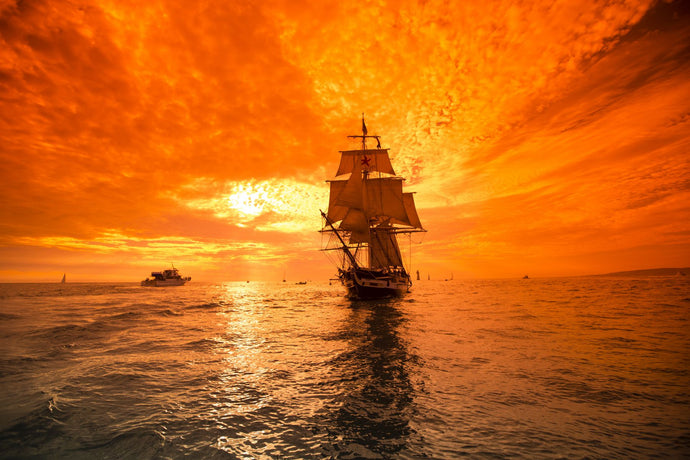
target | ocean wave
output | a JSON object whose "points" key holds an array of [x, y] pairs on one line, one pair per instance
{"points": [[8, 316], [204, 306], [168, 312], [212, 372]]}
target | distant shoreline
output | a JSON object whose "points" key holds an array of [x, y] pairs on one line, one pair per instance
{"points": [[649, 272]]}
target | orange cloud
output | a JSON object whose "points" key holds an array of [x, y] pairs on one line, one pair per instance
{"points": [[552, 134]]}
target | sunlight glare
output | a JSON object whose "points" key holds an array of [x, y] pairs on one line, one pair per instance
{"points": [[248, 199], [282, 205]]}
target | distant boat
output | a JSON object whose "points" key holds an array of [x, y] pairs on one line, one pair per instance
{"points": [[170, 277], [367, 210], [417, 275], [451, 277], [63, 278], [525, 277], [301, 282]]}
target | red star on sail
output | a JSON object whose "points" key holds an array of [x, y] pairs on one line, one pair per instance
{"points": [[365, 161]]}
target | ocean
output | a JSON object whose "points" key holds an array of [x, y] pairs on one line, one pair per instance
{"points": [[542, 368]]}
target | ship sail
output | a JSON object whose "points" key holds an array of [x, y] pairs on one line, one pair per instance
{"points": [[377, 160], [367, 209], [358, 201], [384, 251]]}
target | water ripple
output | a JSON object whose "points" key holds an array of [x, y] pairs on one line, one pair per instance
{"points": [[562, 368]]}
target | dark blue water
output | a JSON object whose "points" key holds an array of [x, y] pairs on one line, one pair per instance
{"points": [[558, 368]]}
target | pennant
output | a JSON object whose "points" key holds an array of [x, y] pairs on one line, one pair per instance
{"points": [[364, 127]]}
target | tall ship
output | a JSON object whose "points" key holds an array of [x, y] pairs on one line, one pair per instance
{"points": [[169, 277], [367, 212]]}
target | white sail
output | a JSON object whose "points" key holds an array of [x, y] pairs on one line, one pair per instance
{"points": [[346, 206], [384, 199], [411, 211], [350, 195], [336, 212], [384, 251], [357, 223], [372, 160]]}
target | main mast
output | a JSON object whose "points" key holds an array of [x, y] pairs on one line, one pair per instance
{"points": [[365, 136], [365, 176]]}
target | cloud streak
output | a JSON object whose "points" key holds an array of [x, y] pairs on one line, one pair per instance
{"points": [[556, 134]]}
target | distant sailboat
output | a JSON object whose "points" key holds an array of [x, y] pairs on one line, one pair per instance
{"points": [[367, 210], [417, 275], [64, 276]]}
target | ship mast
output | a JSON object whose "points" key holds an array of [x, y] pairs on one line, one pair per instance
{"points": [[369, 208], [365, 136], [365, 177]]}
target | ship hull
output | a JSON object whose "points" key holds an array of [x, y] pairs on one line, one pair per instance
{"points": [[163, 283], [367, 284]]}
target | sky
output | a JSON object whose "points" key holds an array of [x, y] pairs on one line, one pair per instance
{"points": [[542, 138]]}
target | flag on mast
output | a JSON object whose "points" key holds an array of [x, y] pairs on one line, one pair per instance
{"points": [[364, 127]]}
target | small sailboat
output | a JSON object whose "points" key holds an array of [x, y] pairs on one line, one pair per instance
{"points": [[64, 277], [367, 210]]}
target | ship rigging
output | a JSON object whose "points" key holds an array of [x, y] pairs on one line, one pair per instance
{"points": [[367, 210]]}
